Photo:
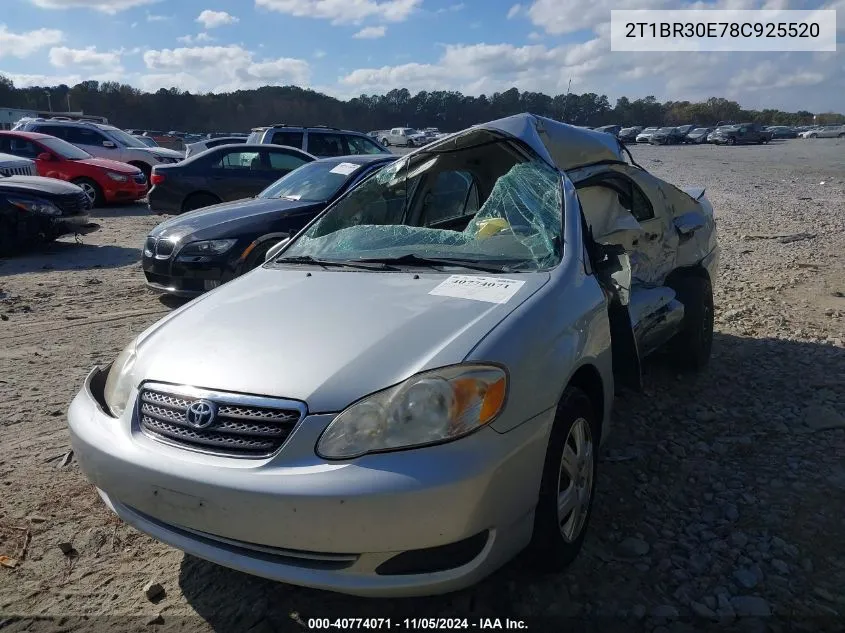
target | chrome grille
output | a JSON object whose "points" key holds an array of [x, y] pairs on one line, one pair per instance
{"points": [[24, 170], [164, 249], [244, 426]]}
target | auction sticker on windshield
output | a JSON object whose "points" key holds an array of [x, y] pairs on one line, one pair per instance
{"points": [[489, 289], [344, 168]]}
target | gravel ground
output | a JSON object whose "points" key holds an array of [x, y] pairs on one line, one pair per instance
{"points": [[719, 496]]}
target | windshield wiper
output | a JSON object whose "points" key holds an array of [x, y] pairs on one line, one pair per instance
{"points": [[416, 260], [337, 263]]}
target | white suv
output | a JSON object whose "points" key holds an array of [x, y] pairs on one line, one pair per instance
{"points": [[104, 141]]}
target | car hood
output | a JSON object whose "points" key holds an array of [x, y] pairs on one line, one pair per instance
{"points": [[325, 337], [113, 165], [37, 184], [162, 151], [220, 216]]}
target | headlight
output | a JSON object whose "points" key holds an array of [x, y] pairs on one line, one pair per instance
{"points": [[119, 381], [207, 247], [117, 177], [35, 205], [429, 408]]}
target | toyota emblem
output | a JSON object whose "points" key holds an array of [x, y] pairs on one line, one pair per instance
{"points": [[201, 414]]}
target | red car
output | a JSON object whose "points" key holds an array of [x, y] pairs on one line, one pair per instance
{"points": [[102, 180]]}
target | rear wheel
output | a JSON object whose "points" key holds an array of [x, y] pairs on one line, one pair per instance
{"points": [[565, 501], [92, 190], [731, 141], [385, 142], [198, 201], [692, 346]]}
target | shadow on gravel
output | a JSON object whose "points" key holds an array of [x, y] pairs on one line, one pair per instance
{"points": [[123, 210], [169, 301], [692, 462], [62, 255]]}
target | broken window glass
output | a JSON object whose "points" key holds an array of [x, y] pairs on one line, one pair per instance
{"points": [[518, 225]]}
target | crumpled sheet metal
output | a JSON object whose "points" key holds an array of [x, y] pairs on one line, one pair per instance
{"points": [[562, 145], [527, 197]]}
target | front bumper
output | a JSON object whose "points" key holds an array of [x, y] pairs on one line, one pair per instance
{"points": [[187, 278], [125, 192], [302, 520]]}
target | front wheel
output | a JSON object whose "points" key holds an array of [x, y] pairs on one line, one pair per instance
{"points": [[92, 191], [841, 135], [568, 484], [731, 141], [385, 142], [256, 257]]}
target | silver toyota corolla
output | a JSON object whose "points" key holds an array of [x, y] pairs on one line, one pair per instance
{"points": [[413, 389]]}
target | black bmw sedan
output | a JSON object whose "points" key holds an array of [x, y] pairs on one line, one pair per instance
{"points": [[199, 250], [221, 174]]}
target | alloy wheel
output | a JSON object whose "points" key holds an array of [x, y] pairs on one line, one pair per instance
{"points": [[575, 480], [89, 190]]}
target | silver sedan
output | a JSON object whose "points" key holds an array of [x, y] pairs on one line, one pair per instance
{"points": [[413, 390]]}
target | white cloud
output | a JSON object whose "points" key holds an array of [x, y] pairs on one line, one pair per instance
{"points": [[219, 69], [25, 44], [62, 57], [319, 54], [371, 33], [213, 19], [22, 80], [535, 36], [106, 6], [344, 11], [514, 11], [199, 38], [152, 17], [452, 8]]}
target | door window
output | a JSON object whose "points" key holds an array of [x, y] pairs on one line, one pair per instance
{"points": [[84, 136], [362, 145], [291, 139], [322, 144], [19, 147], [238, 160], [285, 161], [453, 195]]}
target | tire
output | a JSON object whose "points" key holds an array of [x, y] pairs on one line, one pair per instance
{"points": [[385, 142], [841, 135], [730, 141], [411, 143], [557, 538], [92, 190], [256, 257], [198, 201], [691, 347]]}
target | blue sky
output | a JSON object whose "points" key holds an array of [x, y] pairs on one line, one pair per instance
{"points": [[350, 47]]}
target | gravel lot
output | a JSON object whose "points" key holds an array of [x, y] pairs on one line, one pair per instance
{"points": [[720, 495]]}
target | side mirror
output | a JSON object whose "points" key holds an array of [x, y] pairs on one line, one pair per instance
{"points": [[109, 145], [44, 156], [276, 249]]}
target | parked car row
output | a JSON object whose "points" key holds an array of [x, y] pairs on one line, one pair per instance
{"points": [[724, 133], [399, 358]]}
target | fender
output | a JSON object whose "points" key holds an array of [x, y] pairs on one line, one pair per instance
{"points": [[268, 237]]}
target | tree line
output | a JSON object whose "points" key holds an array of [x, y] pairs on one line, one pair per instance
{"points": [[175, 109]]}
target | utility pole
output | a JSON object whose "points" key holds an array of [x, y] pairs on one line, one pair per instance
{"points": [[49, 101], [566, 99], [68, 102]]}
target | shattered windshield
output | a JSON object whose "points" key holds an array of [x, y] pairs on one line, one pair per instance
{"points": [[484, 205]]}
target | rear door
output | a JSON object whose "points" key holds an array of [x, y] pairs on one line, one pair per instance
{"points": [[236, 173], [277, 163], [288, 137]]}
